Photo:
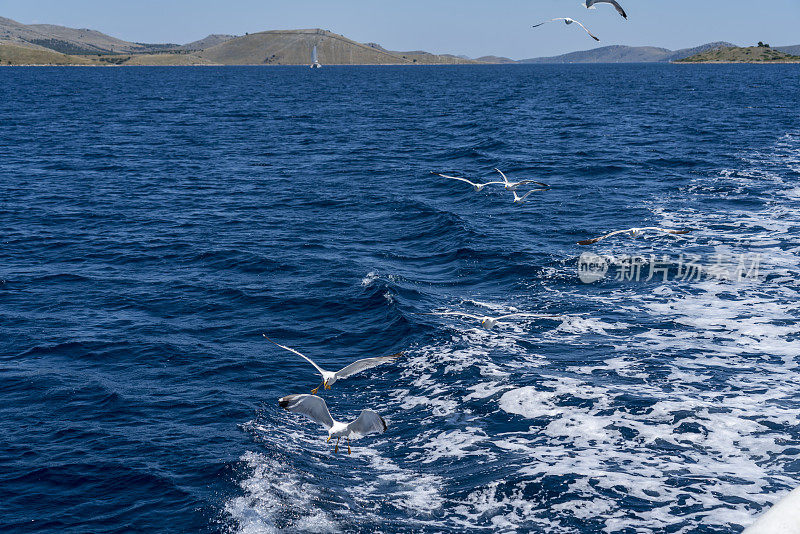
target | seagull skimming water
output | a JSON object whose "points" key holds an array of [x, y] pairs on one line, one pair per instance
{"points": [[521, 199], [569, 21], [329, 377], [634, 232], [477, 187], [315, 409], [491, 322]]}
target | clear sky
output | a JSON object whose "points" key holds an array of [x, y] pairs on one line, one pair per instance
{"points": [[471, 27]]}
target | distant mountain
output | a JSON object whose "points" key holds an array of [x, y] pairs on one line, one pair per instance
{"points": [[626, 54], [497, 60], [64, 40], [734, 54], [74, 41], [793, 50]]}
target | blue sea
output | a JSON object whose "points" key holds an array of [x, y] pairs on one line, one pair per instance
{"points": [[157, 221]]}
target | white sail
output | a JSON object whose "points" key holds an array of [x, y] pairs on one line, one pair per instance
{"points": [[314, 58]]}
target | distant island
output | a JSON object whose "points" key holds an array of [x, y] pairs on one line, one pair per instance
{"points": [[45, 44], [762, 53]]}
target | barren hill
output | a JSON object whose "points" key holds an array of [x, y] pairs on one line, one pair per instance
{"points": [[751, 54], [64, 40], [207, 42], [294, 47]]}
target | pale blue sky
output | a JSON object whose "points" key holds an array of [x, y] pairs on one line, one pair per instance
{"points": [[471, 27]]}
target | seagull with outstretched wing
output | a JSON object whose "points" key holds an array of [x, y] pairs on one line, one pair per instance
{"points": [[476, 186], [330, 377], [491, 322], [634, 232], [568, 21], [315, 409], [511, 186], [521, 199], [590, 5]]}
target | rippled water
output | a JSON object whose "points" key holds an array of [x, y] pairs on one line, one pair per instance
{"points": [[156, 221]]}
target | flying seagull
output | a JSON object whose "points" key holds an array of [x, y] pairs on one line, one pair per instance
{"points": [[634, 232], [315, 409], [511, 186], [590, 5], [521, 199], [477, 187], [568, 21], [491, 322], [329, 378]]}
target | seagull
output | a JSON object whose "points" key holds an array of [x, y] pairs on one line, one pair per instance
{"points": [[590, 5], [521, 199], [568, 21], [477, 187], [634, 232], [315, 409], [329, 378], [511, 186], [490, 323]]}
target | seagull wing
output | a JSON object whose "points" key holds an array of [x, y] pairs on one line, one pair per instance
{"points": [[523, 197], [306, 358], [529, 315], [367, 363], [367, 423], [525, 182], [667, 230], [459, 314], [505, 180], [590, 3], [587, 30], [470, 182], [596, 239], [547, 21], [311, 406]]}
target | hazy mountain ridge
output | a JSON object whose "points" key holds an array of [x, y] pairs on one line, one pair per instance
{"points": [[627, 54]]}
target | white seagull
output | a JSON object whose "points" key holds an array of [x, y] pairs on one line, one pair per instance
{"points": [[568, 21], [329, 378], [491, 322], [590, 5], [521, 199], [634, 232], [511, 186], [477, 187], [315, 409]]}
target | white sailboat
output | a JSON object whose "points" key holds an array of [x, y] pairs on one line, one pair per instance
{"points": [[314, 59]]}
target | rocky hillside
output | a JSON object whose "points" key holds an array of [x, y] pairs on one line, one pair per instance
{"points": [[751, 54], [293, 47]]}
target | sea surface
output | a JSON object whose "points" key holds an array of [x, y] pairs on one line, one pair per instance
{"points": [[156, 221]]}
